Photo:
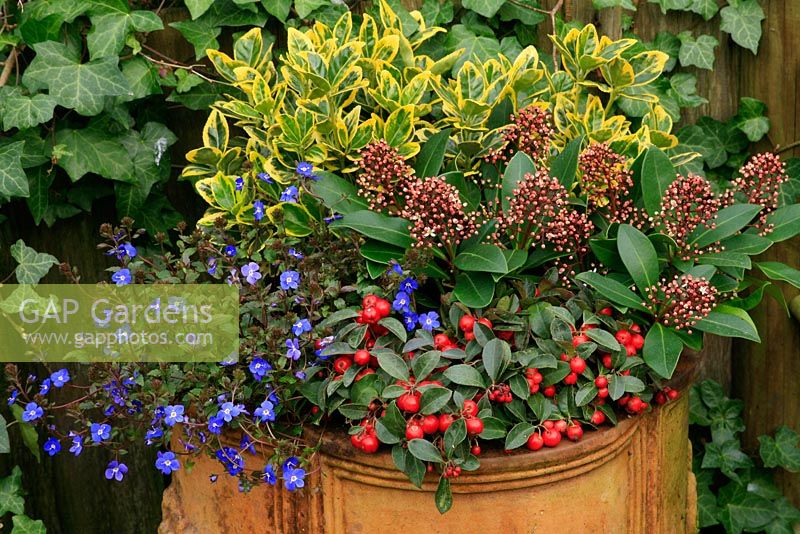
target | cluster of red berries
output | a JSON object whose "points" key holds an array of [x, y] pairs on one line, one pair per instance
{"points": [[551, 432], [665, 395], [373, 310], [467, 325], [366, 440], [500, 393]]}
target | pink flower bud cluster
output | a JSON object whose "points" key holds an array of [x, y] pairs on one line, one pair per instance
{"points": [[529, 132], [382, 174], [607, 182], [760, 181], [687, 203], [683, 301], [535, 202], [569, 231], [437, 214]]}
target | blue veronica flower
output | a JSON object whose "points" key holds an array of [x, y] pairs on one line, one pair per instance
{"points": [[269, 475], [396, 269], [409, 285], [265, 177], [116, 470], [239, 183], [305, 169], [77, 444], [109, 411], [230, 410], [245, 445], [129, 250], [289, 280], [259, 367], [44, 388], [233, 277], [401, 302], [265, 412], [212, 266], [289, 194], [230, 251], [293, 479], [293, 345], [297, 255], [429, 321], [13, 397], [52, 446], [290, 463], [258, 210], [301, 326], [32, 412], [167, 463], [60, 377], [215, 424], [410, 320], [174, 414], [152, 435], [250, 272], [121, 277], [300, 375], [100, 432], [230, 459]]}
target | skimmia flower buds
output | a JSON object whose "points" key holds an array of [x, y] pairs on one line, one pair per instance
{"points": [[687, 203], [683, 301], [535, 202], [607, 182], [437, 214], [382, 174], [529, 132], [759, 182]]}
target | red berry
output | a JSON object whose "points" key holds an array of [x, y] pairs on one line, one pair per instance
{"points": [[383, 307], [371, 314], [575, 432], [470, 408], [549, 391], [469, 336], [361, 357], [660, 398], [602, 393], [623, 336], [533, 387], [637, 341], [673, 394], [411, 402], [430, 424], [315, 409], [358, 440], [476, 450], [608, 362], [445, 420], [560, 426], [601, 381], [551, 437], [439, 340], [579, 340], [342, 364], [505, 335], [414, 431], [474, 426], [571, 379], [364, 373], [606, 311], [598, 418], [577, 364], [535, 442], [636, 328], [631, 350], [466, 323], [369, 444], [369, 301], [485, 322], [548, 424]]}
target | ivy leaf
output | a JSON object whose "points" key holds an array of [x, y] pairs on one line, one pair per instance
{"points": [[476, 47], [677, 5], [436, 13], [782, 450], [79, 86], [94, 150], [39, 181], [11, 493], [67, 9], [32, 265], [727, 457], [13, 182], [203, 31], [698, 52], [198, 7], [305, 7], [742, 19], [23, 112], [142, 77], [486, 8], [741, 509], [624, 4], [277, 8], [25, 525], [751, 118], [111, 27], [705, 8]]}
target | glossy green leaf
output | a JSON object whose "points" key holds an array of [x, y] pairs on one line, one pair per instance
{"points": [[662, 349], [728, 321], [638, 255], [520, 165], [474, 289], [425, 451], [779, 271], [392, 230], [482, 258], [565, 165], [612, 290], [742, 19], [657, 173], [431, 156], [727, 222]]}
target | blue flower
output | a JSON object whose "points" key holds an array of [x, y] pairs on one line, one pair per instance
{"points": [[258, 210], [259, 367], [289, 194], [290, 463], [32, 412], [305, 169], [174, 414], [239, 183], [289, 280], [231, 459], [410, 320], [152, 435], [300, 375], [429, 321], [215, 424], [77, 444], [44, 388], [409, 285], [265, 177], [265, 412], [230, 410], [269, 475], [293, 479], [230, 251], [116, 471], [13, 397], [121, 277], [301, 326], [52, 446], [396, 268], [293, 345], [60, 377], [401, 301], [250, 272], [297, 255], [167, 463], [100, 432], [212, 266], [233, 277], [129, 250]]}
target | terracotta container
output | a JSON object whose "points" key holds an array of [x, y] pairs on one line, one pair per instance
{"points": [[633, 478]]}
